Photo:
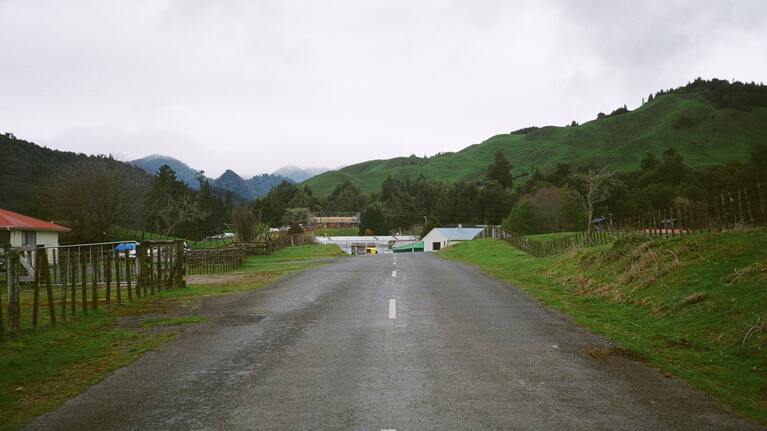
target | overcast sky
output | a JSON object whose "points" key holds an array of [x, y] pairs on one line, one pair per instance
{"points": [[254, 85]]}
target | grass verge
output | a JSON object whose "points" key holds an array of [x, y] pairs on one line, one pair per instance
{"points": [[695, 307], [42, 368]]}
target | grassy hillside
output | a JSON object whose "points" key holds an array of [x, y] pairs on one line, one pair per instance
{"points": [[689, 122], [695, 307]]}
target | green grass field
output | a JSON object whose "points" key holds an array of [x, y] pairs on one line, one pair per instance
{"points": [[710, 136], [41, 369], [695, 307]]}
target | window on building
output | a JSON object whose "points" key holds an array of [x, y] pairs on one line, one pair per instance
{"points": [[29, 237], [5, 237]]}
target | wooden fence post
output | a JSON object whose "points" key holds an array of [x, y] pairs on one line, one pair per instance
{"points": [[73, 283], [151, 270], [108, 275], [83, 280], [64, 268], [127, 275], [141, 269], [45, 274], [36, 288], [95, 280], [180, 265], [762, 210], [7, 277], [117, 276], [14, 300]]}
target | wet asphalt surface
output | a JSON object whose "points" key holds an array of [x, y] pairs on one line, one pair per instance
{"points": [[320, 350]]}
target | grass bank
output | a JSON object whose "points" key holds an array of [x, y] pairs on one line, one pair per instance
{"points": [[695, 307], [41, 369]]}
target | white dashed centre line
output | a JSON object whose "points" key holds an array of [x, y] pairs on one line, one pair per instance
{"points": [[392, 309], [394, 273]]}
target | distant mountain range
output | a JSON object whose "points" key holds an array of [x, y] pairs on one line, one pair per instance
{"points": [[250, 188]]}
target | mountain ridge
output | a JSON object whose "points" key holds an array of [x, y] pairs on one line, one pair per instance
{"points": [[229, 180], [707, 122]]}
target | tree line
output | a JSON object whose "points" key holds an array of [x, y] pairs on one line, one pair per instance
{"points": [[564, 199], [95, 195]]}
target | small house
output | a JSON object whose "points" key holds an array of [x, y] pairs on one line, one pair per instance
{"points": [[18, 229], [441, 237]]}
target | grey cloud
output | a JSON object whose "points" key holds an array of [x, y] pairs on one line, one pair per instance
{"points": [[254, 85]]}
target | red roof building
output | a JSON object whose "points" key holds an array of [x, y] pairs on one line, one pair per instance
{"points": [[10, 220]]}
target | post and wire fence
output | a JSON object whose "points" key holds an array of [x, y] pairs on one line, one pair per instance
{"points": [[743, 208], [79, 279]]}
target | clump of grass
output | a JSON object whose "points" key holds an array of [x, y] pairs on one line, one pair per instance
{"points": [[756, 271], [603, 353], [694, 298]]}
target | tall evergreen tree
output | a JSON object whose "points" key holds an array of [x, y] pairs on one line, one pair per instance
{"points": [[500, 170]]}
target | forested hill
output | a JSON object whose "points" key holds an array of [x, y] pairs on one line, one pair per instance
{"points": [[25, 165], [707, 122]]}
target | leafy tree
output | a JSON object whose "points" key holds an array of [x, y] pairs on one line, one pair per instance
{"points": [[556, 209], [274, 204], [245, 223], [94, 195], [594, 188], [373, 220], [494, 203], [295, 217], [759, 163], [346, 197], [500, 170], [211, 207], [521, 219], [649, 162], [170, 204]]}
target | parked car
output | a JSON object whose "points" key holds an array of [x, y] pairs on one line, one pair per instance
{"points": [[130, 246]]}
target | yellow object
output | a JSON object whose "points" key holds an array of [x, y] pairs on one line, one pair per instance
{"points": [[370, 250]]}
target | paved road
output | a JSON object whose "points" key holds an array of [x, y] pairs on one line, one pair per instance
{"points": [[351, 346]]}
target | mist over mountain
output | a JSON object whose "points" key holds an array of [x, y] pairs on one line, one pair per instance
{"points": [[299, 174], [249, 188], [151, 164]]}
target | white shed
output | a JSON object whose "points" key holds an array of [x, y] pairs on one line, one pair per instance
{"points": [[441, 237], [18, 229]]}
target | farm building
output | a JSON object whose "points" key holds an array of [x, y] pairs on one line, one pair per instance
{"points": [[18, 229], [367, 244], [441, 237], [410, 247], [334, 220]]}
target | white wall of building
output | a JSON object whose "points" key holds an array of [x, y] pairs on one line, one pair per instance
{"points": [[46, 238], [432, 237]]}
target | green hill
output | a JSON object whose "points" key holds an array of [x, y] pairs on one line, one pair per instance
{"points": [[707, 122], [26, 165]]}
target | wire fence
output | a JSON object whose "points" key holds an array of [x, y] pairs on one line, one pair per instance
{"points": [[80, 278], [744, 208]]}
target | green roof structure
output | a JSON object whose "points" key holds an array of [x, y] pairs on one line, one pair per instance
{"points": [[409, 247]]}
